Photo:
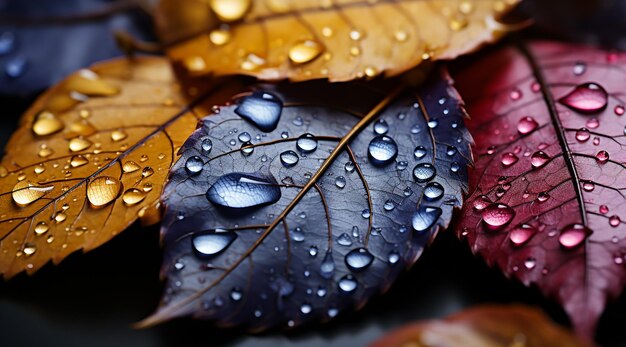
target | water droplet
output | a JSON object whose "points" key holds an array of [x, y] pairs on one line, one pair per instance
{"points": [[539, 159], [306, 308], [220, 36], [530, 263], [433, 191], [482, 202], [527, 125], [419, 152], [359, 259], [327, 268], [521, 234], [455, 167], [573, 235], [344, 240], [147, 172], [582, 135], [381, 127], [349, 167], [194, 165], [118, 135], [393, 257], [389, 205], [515, 94], [79, 144], [402, 165], [213, 243], [306, 143], [604, 209], [579, 68], [305, 51], [16, 67], [7, 43], [614, 221], [46, 123], [586, 98], [130, 166], [230, 10], [348, 284], [60, 217], [619, 110], [240, 190], [133, 196], [25, 193], [261, 109], [497, 215], [297, 234], [509, 159], [289, 158], [313, 251], [206, 145], [588, 186], [543, 196], [425, 218], [602, 157], [340, 182], [423, 173], [29, 249], [433, 123], [247, 148], [382, 150], [244, 137], [236, 294], [103, 190], [366, 213]]}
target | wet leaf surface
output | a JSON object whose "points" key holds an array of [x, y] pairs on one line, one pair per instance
{"points": [[43, 41], [89, 157], [339, 40], [288, 207], [485, 326], [547, 198]]}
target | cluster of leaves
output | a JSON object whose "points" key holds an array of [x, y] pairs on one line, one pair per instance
{"points": [[290, 202]]}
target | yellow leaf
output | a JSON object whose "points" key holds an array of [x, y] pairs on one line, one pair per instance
{"points": [[90, 157], [336, 39]]}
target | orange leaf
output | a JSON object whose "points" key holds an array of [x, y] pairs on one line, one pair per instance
{"points": [[485, 326], [89, 158], [335, 39]]}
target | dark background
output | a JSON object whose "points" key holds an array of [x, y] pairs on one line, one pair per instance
{"points": [[92, 299]]}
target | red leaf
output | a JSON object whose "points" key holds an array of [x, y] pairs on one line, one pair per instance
{"points": [[549, 186]]}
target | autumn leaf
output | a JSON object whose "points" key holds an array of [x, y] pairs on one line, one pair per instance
{"points": [[42, 41], [484, 326], [548, 189], [336, 39], [290, 207], [89, 158]]}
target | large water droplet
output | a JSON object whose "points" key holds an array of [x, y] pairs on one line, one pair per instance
{"points": [[521, 234], [133, 196], [527, 125], [348, 284], [213, 243], [306, 143], [419, 152], [103, 190], [423, 173], [297, 234], [573, 235], [586, 98], [381, 127], [25, 193], [433, 191], [194, 165], [582, 135], [509, 159], [602, 157], [261, 109], [539, 159], [340, 182], [382, 150], [46, 123], [230, 10], [425, 218], [241, 190], [305, 51], [130, 166], [497, 215], [289, 158], [344, 240], [359, 259]]}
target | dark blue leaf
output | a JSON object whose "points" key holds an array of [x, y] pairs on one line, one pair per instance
{"points": [[277, 228], [42, 41]]}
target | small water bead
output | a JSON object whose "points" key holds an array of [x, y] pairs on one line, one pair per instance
{"points": [[194, 165], [619, 110], [344, 240], [543, 196], [423, 173], [244, 137], [16, 67], [539, 159], [41, 228], [420, 152], [393, 257], [133, 196], [366, 213], [261, 109], [306, 143], [509, 159], [582, 135], [455, 167], [236, 294], [592, 123], [579, 68], [313, 251], [433, 123], [305, 51], [247, 149], [389, 205], [602, 157], [47, 123], [451, 151], [230, 10], [60, 217], [130, 166], [29, 249], [212, 243], [497, 215], [327, 268], [425, 218], [491, 150], [25, 193], [147, 172], [347, 284], [573, 235], [7, 43], [521, 234], [103, 190], [332, 312], [604, 209], [402, 165], [515, 94], [289, 158], [526, 125], [359, 259], [206, 146], [481, 203], [596, 141], [407, 191], [586, 98], [340, 182], [241, 190], [79, 144], [381, 127], [433, 191], [614, 221], [306, 308], [530, 263], [588, 186], [382, 150], [297, 234]]}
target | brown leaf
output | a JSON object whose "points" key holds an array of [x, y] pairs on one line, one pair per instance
{"points": [[485, 326], [335, 39], [89, 158]]}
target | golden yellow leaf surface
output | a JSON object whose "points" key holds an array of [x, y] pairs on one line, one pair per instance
{"points": [[89, 158], [485, 326], [336, 39]]}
